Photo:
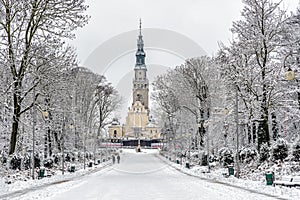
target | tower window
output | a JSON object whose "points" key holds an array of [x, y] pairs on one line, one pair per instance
{"points": [[138, 98], [115, 133]]}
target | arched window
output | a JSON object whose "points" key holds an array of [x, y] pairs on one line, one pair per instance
{"points": [[115, 133]]}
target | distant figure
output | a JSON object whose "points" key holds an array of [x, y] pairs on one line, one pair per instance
{"points": [[118, 158], [113, 159]]}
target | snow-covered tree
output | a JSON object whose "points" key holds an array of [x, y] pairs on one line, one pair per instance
{"points": [[27, 28], [192, 75], [280, 149], [190, 96], [226, 156], [252, 64], [248, 154]]}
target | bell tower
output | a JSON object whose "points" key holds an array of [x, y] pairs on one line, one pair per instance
{"points": [[140, 81], [138, 130]]}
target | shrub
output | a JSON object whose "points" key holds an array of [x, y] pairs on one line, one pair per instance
{"points": [[296, 150], [280, 149], [49, 162], [226, 156], [15, 162], [68, 158], [247, 154]]}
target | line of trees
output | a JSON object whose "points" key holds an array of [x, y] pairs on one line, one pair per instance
{"points": [[41, 85], [200, 94]]}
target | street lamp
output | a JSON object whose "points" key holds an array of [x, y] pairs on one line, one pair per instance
{"points": [[289, 75], [46, 117], [64, 129]]}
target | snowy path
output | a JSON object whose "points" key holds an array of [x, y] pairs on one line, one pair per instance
{"points": [[144, 176]]}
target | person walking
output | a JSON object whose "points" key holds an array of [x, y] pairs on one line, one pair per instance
{"points": [[118, 158], [113, 159]]}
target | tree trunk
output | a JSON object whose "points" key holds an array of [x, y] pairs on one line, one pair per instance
{"points": [[49, 142], [16, 118], [57, 140], [263, 130], [45, 145], [274, 127], [263, 127], [298, 97]]}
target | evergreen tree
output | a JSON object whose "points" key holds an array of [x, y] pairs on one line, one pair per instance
{"points": [[280, 149], [264, 152]]}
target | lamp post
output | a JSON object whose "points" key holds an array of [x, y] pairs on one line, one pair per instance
{"points": [[45, 116], [207, 144], [237, 174], [63, 146], [190, 143], [33, 133], [33, 146], [64, 129], [171, 133], [290, 76]]}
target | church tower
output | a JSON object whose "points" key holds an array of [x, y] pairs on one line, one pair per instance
{"points": [[140, 81], [137, 130]]}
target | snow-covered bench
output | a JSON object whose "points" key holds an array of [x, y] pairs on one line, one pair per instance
{"points": [[288, 181], [295, 182], [284, 180]]}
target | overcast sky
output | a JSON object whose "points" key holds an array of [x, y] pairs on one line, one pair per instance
{"points": [[204, 21], [109, 40]]}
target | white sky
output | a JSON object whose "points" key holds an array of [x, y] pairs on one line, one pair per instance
{"points": [[204, 21]]}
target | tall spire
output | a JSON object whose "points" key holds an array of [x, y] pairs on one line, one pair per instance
{"points": [[140, 26], [140, 54]]}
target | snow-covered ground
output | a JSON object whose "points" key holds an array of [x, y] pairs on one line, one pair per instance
{"points": [[216, 176], [147, 175], [8, 191]]}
